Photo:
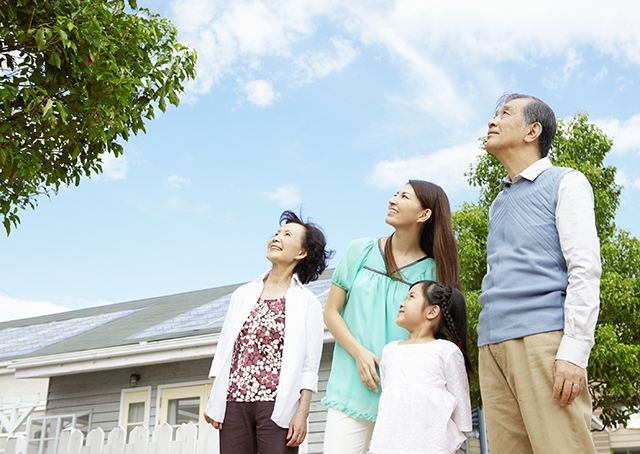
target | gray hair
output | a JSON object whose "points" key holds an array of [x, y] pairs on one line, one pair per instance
{"points": [[536, 111]]}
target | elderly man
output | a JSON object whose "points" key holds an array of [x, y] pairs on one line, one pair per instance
{"points": [[540, 297]]}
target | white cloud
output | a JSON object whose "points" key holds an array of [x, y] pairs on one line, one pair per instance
{"points": [[448, 50], [232, 37], [193, 16], [287, 196], [445, 167], [559, 79], [260, 93], [13, 309], [627, 181], [626, 134], [601, 75], [175, 182], [313, 66], [113, 168]]}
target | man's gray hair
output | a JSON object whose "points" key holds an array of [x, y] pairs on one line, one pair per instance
{"points": [[535, 111]]}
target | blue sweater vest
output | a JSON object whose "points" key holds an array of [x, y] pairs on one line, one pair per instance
{"points": [[524, 291]]}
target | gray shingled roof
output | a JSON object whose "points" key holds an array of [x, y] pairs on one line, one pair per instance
{"points": [[166, 317]]}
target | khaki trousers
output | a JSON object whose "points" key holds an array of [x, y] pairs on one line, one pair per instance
{"points": [[516, 382]]}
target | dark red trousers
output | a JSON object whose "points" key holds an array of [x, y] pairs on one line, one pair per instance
{"points": [[248, 429]]}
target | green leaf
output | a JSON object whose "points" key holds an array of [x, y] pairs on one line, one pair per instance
{"points": [[64, 37], [87, 76], [173, 98], [47, 106], [55, 59], [62, 110], [40, 38]]}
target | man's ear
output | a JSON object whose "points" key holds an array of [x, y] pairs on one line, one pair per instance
{"points": [[533, 131]]}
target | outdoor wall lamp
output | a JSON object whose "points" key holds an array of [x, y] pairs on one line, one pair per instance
{"points": [[133, 380]]}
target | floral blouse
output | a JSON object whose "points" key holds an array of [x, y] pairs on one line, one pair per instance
{"points": [[257, 354]]}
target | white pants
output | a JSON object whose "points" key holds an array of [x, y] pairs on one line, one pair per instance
{"points": [[346, 435]]}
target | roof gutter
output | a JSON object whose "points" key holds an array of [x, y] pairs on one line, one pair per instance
{"points": [[140, 354]]}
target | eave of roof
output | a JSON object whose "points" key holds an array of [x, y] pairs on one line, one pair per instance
{"points": [[143, 353], [112, 345]]}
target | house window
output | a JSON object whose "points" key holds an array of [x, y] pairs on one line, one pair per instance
{"points": [[182, 404], [182, 411], [44, 431], [134, 408]]}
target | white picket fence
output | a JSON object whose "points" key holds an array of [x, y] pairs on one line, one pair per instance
{"points": [[72, 441], [186, 441]]}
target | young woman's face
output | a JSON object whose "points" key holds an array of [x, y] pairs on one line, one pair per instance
{"points": [[411, 313], [405, 208], [286, 245]]}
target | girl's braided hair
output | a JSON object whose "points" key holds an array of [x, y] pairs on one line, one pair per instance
{"points": [[454, 315]]}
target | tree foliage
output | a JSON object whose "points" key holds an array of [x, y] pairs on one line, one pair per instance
{"points": [[614, 365], [77, 77]]}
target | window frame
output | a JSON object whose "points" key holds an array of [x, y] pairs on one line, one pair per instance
{"points": [[57, 430], [123, 415], [174, 391]]}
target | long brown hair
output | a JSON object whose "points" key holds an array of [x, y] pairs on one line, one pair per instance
{"points": [[437, 239]]}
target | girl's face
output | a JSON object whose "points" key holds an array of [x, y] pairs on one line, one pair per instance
{"points": [[405, 208], [411, 314], [286, 245]]}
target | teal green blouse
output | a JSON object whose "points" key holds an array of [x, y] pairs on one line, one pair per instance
{"points": [[370, 312]]}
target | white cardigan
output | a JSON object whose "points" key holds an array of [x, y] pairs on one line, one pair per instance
{"points": [[303, 334]]}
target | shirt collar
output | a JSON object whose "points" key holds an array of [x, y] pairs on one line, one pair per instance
{"points": [[295, 281], [530, 173]]}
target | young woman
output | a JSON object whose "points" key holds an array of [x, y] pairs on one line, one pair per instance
{"points": [[425, 405], [369, 284], [267, 359]]}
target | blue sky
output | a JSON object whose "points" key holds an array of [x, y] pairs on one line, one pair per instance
{"points": [[331, 105]]}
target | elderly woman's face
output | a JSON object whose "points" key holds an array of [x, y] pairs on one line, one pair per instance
{"points": [[286, 245]]}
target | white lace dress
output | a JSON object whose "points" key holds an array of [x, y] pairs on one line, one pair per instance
{"points": [[424, 406]]}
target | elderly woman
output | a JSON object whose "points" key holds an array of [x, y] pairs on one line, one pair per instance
{"points": [[266, 363]]}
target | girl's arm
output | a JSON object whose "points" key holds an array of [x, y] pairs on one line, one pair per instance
{"points": [[457, 384], [365, 360]]}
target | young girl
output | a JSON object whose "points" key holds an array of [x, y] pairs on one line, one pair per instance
{"points": [[369, 283], [425, 405]]}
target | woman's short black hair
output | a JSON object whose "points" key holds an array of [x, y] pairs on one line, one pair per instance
{"points": [[315, 243]]}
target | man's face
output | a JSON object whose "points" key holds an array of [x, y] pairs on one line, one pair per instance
{"points": [[507, 128]]}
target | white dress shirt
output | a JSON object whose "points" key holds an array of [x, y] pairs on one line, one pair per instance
{"points": [[303, 336], [575, 221]]}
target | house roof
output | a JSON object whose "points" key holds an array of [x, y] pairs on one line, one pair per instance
{"points": [[152, 330]]}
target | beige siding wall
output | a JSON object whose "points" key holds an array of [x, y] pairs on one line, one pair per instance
{"points": [[100, 391], [318, 414], [625, 439], [601, 442]]}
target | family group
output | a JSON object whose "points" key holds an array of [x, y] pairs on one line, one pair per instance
{"points": [[400, 374]]}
